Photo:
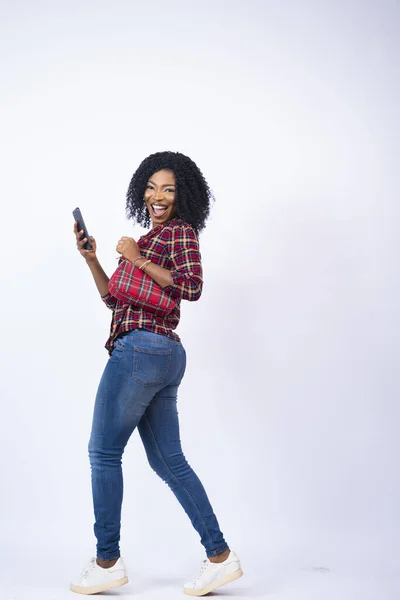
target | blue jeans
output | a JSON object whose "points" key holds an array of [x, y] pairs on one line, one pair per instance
{"points": [[139, 388]]}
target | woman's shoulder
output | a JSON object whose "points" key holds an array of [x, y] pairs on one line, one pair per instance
{"points": [[180, 226]]}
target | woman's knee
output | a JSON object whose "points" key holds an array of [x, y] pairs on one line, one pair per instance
{"points": [[100, 454], [168, 465]]}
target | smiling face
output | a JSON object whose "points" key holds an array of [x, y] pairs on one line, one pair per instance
{"points": [[159, 196]]}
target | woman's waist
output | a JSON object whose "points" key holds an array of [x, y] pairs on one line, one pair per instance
{"points": [[134, 335]]}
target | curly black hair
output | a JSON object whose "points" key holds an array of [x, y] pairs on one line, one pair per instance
{"points": [[193, 196]]}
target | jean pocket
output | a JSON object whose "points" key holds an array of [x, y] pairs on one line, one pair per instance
{"points": [[119, 346], [151, 365]]}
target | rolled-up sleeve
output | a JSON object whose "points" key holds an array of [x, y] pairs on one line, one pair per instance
{"points": [[109, 301], [187, 272]]}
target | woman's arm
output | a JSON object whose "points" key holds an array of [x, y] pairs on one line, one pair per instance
{"points": [[187, 274], [129, 248], [185, 280], [101, 281], [99, 276], [160, 275], [96, 269]]}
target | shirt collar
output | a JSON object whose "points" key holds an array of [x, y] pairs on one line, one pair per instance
{"points": [[160, 227]]}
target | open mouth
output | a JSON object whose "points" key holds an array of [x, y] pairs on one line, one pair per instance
{"points": [[159, 209]]}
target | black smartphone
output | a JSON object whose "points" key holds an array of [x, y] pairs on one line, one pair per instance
{"points": [[81, 225]]}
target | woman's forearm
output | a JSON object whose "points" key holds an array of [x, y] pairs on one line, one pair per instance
{"points": [[99, 276], [160, 275]]}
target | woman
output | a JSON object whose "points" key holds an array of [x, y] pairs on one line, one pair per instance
{"points": [[147, 362]]}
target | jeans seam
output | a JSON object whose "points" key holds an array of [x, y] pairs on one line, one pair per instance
{"points": [[176, 478]]}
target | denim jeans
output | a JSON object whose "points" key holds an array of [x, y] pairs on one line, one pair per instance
{"points": [[139, 388]]}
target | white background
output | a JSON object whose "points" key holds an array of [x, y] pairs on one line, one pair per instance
{"points": [[290, 405]]}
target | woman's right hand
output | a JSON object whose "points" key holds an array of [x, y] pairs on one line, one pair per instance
{"points": [[89, 255]]}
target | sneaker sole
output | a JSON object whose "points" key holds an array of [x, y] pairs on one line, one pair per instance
{"points": [[96, 589], [213, 586]]}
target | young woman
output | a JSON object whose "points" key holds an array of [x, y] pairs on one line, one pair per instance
{"points": [[147, 362]]}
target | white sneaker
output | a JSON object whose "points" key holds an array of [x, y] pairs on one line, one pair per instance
{"points": [[213, 575], [95, 579]]}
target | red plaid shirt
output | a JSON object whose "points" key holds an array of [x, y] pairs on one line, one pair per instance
{"points": [[175, 247]]}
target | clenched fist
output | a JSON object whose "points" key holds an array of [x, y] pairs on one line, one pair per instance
{"points": [[129, 248]]}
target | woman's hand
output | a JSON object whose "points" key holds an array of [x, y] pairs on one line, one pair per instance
{"points": [[128, 248], [89, 255]]}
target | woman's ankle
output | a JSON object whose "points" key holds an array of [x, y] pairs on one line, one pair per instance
{"points": [[219, 557], [106, 564]]}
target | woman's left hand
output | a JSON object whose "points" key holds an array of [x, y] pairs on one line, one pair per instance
{"points": [[128, 248]]}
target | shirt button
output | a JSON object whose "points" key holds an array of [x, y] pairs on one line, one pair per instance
{"points": [[190, 273]]}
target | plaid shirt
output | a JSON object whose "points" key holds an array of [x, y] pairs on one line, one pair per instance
{"points": [[175, 247]]}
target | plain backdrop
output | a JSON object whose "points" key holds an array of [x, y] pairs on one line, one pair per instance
{"points": [[290, 405]]}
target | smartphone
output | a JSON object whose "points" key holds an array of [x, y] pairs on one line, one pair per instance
{"points": [[81, 225]]}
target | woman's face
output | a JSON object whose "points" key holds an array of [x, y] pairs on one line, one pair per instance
{"points": [[159, 196]]}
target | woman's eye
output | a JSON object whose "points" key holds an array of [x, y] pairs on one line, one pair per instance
{"points": [[170, 190]]}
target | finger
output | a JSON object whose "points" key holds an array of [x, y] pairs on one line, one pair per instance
{"points": [[78, 233]]}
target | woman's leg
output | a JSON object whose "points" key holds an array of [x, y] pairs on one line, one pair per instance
{"points": [[159, 430], [120, 404]]}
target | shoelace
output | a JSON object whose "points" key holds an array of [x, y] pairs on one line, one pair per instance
{"points": [[89, 568], [204, 567]]}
